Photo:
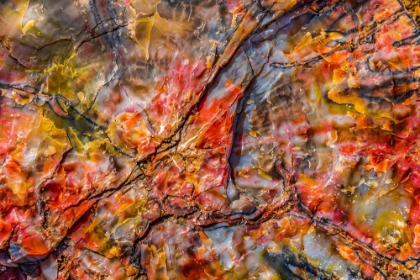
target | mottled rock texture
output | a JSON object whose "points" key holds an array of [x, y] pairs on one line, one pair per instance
{"points": [[212, 139]]}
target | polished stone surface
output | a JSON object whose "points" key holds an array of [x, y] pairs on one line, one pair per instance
{"points": [[271, 139]]}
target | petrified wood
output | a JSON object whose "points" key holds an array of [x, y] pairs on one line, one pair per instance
{"points": [[213, 139]]}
